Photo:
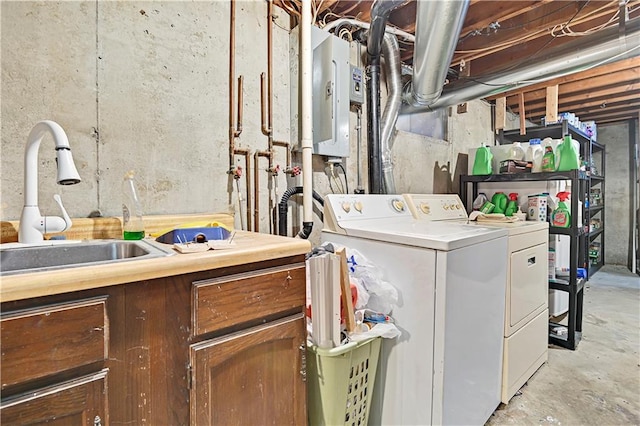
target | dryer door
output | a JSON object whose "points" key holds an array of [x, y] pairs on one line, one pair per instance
{"points": [[528, 279]]}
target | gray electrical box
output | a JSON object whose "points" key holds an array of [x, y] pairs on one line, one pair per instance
{"points": [[331, 93], [356, 86]]}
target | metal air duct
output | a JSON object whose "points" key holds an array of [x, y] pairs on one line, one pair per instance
{"points": [[609, 45], [438, 24]]}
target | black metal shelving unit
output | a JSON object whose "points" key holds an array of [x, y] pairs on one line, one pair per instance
{"points": [[577, 252], [582, 238], [595, 213]]}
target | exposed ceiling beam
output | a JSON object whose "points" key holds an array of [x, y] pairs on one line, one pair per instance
{"points": [[609, 69], [538, 107]]}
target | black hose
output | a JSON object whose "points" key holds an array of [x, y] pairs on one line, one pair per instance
{"points": [[283, 210], [379, 14]]}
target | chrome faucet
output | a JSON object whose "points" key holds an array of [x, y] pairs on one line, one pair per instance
{"points": [[32, 224]]}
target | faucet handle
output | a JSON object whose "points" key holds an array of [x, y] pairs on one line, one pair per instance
{"points": [[57, 224]]}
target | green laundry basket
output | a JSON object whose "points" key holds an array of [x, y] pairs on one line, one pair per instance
{"points": [[340, 382]]}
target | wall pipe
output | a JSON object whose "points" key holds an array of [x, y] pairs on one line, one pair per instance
{"points": [[393, 73], [256, 187], [379, 14], [586, 52], [235, 129], [306, 141]]}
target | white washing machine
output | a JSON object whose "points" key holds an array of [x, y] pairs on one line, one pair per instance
{"points": [[446, 367], [526, 319]]}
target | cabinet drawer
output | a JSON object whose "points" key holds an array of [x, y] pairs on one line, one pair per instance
{"points": [[49, 339], [224, 302]]}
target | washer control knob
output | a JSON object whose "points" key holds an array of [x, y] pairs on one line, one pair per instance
{"points": [[358, 206], [398, 205], [425, 208], [346, 206]]}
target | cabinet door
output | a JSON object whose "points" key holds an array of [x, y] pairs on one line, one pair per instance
{"points": [[251, 377], [79, 402]]}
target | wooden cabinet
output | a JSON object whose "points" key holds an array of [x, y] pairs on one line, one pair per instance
{"points": [[45, 352], [251, 377], [177, 349], [79, 402]]}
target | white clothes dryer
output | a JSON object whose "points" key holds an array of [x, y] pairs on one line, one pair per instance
{"points": [[526, 322], [446, 367]]}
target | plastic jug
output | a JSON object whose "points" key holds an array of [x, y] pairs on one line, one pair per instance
{"points": [[516, 152], [499, 200], [482, 161], [534, 154], [569, 158]]}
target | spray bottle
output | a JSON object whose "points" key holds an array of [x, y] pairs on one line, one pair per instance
{"points": [[512, 205], [561, 217]]}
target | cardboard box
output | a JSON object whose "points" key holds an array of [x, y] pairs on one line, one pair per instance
{"points": [[537, 207], [515, 166]]}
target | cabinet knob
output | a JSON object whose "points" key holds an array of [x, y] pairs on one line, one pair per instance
{"points": [[97, 421]]}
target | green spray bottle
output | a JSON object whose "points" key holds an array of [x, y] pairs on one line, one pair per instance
{"points": [[561, 216], [512, 205]]}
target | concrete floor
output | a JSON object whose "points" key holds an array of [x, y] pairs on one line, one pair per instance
{"points": [[599, 383]]}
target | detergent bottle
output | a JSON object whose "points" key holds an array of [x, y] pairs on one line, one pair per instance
{"points": [[516, 152], [561, 217], [548, 163], [512, 205], [499, 200], [568, 155], [482, 161]]}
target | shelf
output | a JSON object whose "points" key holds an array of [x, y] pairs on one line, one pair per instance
{"points": [[563, 285], [554, 131], [595, 209], [595, 233], [523, 177], [595, 268], [596, 180], [563, 340], [595, 146], [578, 232]]}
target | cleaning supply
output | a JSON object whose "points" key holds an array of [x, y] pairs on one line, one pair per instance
{"points": [[512, 205], [132, 224], [479, 201], [561, 216], [520, 214], [499, 200], [482, 161], [516, 152], [568, 155], [534, 155], [548, 163]]}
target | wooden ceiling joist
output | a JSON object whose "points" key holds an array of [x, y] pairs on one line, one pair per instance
{"points": [[608, 70], [535, 109]]}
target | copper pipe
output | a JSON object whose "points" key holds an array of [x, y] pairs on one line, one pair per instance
{"points": [[247, 176], [238, 130], [287, 147], [266, 129], [256, 186]]}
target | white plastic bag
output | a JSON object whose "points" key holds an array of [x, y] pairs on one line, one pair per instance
{"points": [[382, 295]]}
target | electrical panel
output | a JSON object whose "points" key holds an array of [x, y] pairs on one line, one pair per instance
{"points": [[356, 86], [331, 93]]}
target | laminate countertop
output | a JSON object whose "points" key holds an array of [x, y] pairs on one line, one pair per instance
{"points": [[248, 247]]}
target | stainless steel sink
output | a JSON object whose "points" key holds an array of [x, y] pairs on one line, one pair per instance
{"points": [[91, 252]]}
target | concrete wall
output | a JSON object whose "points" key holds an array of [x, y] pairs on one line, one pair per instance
{"points": [[618, 192], [143, 86]]}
